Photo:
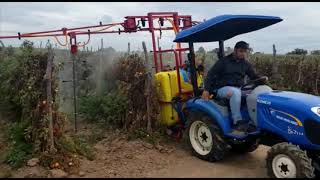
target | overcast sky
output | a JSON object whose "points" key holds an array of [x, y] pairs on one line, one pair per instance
{"points": [[299, 29]]}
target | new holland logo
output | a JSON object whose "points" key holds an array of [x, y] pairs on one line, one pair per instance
{"points": [[285, 117], [287, 120]]}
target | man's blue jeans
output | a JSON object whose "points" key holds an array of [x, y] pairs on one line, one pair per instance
{"points": [[234, 96]]}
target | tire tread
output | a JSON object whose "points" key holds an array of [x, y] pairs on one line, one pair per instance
{"points": [[303, 162], [215, 154]]}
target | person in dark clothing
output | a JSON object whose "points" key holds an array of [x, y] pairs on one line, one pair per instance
{"points": [[226, 77]]}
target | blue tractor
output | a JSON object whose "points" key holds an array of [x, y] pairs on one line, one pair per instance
{"points": [[288, 122]]}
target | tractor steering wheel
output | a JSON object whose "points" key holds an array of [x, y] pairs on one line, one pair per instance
{"points": [[250, 85]]}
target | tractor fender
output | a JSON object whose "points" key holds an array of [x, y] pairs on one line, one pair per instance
{"points": [[211, 109]]}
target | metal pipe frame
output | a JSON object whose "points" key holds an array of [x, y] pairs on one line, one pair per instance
{"points": [[150, 18]]}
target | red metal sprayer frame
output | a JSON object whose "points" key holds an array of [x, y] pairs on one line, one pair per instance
{"points": [[128, 26]]}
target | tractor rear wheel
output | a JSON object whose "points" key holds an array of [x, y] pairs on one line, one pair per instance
{"points": [[205, 137], [286, 160]]}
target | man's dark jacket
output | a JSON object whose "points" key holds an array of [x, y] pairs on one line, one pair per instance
{"points": [[228, 71]]}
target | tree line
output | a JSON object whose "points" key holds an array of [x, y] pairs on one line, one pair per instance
{"points": [[296, 51]]}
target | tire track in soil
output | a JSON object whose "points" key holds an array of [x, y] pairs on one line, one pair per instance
{"points": [[122, 158]]}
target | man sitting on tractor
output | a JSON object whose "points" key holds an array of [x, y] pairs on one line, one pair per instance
{"points": [[225, 79]]}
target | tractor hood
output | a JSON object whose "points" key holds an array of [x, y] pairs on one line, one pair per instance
{"points": [[224, 27], [290, 100], [294, 116]]}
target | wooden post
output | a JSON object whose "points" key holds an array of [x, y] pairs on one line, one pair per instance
{"points": [[275, 68], [101, 44], [74, 80], [1, 43], [48, 78], [128, 47], [275, 74], [317, 78], [148, 86]]}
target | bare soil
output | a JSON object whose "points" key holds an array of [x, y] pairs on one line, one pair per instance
{"points": [[118, 157]]}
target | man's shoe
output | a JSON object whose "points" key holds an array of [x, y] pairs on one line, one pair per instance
{"points": [[251, 128], [240, 128]]}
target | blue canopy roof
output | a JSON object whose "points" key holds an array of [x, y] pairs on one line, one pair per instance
{"points": [[225, 27]]}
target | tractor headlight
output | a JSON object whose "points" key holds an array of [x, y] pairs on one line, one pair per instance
{"points": [[316, 110]]}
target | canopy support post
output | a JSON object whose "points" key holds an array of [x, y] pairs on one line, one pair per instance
{"points": [[221, 49], [191, 59]]}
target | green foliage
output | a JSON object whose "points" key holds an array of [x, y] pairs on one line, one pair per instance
{"points": [[114, 107], [91, 107], [83, 148], [315, 52], [9, 51], [250, 51], [296, 72], [200, 56], [76, 144], [201, 50], [23, 93], [8, 102], [125, 105], [66, 143], [21, 81], [17, 157], [110, 108], [1, 45], [6, 51], [298, 51], [300, 73], [20, 148]]}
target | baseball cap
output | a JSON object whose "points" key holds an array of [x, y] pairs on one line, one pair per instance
{"points": [[242, 45]]}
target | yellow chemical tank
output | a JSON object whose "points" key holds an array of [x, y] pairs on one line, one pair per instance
{"points": [[167, 88]]}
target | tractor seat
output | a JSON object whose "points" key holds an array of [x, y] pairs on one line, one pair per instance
{"points": [[225, 101], [221, 101]]}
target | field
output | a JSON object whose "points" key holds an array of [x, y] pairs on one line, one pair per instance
{"points": [[112, 92]]}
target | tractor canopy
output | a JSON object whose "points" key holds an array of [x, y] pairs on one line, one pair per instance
{"points": [[224, 27]]}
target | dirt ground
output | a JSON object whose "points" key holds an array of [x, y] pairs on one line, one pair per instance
{"points": [[118, 157]]}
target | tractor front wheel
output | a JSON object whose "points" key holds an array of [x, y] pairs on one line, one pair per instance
{"points": [[286, 160], [205, 137]]}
